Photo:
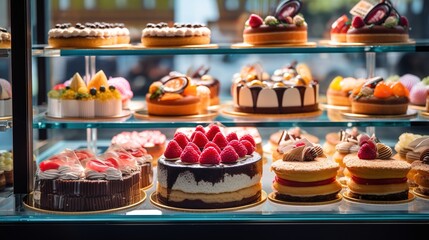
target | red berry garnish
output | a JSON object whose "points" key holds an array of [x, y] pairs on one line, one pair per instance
{"points": [[200, 128], [211, 133], [255, 21], [228, 155], [200, 139], [367, 152], [181, 139], [231, 136], [138, 152], [209, 156], [212, 144], [345, 28], [113, 161], [189, 155], [403, 21], [194, 146], [357, 22], [180, 133], [220, 140], [249, 147], [363, 138], [173, 150], [339, 24], [249, 138], [239, 148], [46, 165], [299, 144]]}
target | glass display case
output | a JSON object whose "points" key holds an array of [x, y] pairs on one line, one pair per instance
{"points": [[37, 136]]}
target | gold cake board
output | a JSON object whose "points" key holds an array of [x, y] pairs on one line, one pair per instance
{"points": [[154, 201], [410, 198]]}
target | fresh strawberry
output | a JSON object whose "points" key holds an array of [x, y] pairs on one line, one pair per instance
{"points": [[231, 136], [181, 139], [255, 21], [367, 152], [113, 161], [47, 165], [249, 147], [211, 133], [200, 128], [173, 150], [249, 138], [212, 144], [137, 152], [220, 140], [189, 155], [239, 148], [363, 138], [228, 155], [299, 144], [403, 21], [209, 156], [371, 144], [192, 136], [194, 146], [200, 139], [181, 133], [358, 22]]}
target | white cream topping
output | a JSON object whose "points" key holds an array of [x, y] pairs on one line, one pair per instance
{"points": [[110, 174], [87, 32], [63, 172], [176, 32]]}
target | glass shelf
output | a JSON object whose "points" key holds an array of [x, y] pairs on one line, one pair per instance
{"points": [[5, 123], [319, 46], [324, 118], [4, 52]]}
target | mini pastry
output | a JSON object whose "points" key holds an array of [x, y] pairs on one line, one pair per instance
{"points": [[382, 24], [296, 133], [377, 97], [5, 98], [123, 86], [304, 174], [374, 174], [108, 100], [419, 92], [421, 173], [409, 81], [161, 35], [348, 144], [339, 29], [287, 26], [5, 38], [407, 142], [339, 90]]}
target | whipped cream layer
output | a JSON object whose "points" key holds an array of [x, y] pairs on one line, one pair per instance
{"points": [[176, 32]]}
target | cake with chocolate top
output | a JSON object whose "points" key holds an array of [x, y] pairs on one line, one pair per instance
{"points": [[198, 173], [304, 174]]}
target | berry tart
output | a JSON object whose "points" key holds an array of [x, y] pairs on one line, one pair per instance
{"points": [[287, 26], [374, 174], [339, 29], [5, 38], [161, 35], [303, 173], [382, 24], [339, 90], [198, 173], [378, 97]]}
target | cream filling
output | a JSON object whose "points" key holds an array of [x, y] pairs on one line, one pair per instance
{"points": [[307, 191], [382, 189]]}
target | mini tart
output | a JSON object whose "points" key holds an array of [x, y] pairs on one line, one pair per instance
{"points": [[338, 98], [380, 106], [377, 34], [188, 105], [289, 34]]}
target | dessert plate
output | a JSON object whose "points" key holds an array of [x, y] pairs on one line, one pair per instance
{"points": [[409, 114], [273, 198], [228, 110], [410, 198], [418, 193], [28, 204], [142, 114], [291, 45], [344, 44], [121, 117], [154, 201]]}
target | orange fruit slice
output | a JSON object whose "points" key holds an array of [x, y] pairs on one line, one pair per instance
{"points": [[382, 90], [304, 71]]}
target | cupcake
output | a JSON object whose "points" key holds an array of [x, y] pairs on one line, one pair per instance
{"points": [[5, 98], [419, 93], [108, 100], [70, 105], [85, 99]]}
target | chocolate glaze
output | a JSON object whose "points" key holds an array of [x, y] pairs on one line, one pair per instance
{"points": [[209, 173]]}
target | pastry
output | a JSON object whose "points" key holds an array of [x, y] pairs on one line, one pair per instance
{"points": [[374, 174], [123, 86], [348, 144], [304, 174], [177, 96], [162, 35], [201, 174], [382, 24], [6, 165], [5, 38], [296, 133], [419, 92], [5, 98], [377, 97], [88, 35], [106, 182], [339, 90], [290, 90], [152, 141], [406, 147], [287, 26], [339, 29], [420, 177], [409, 81]]}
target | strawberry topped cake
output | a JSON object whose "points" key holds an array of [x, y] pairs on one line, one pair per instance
{"points": [[339, 29], [287, 26], [374, 174], [199, 173]]}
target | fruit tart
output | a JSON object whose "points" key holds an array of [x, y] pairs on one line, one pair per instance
{"points": [[378, 97], [287, 26], [339, 90]]}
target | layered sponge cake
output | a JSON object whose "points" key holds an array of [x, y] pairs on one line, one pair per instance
{"points": [[196, 173]]}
